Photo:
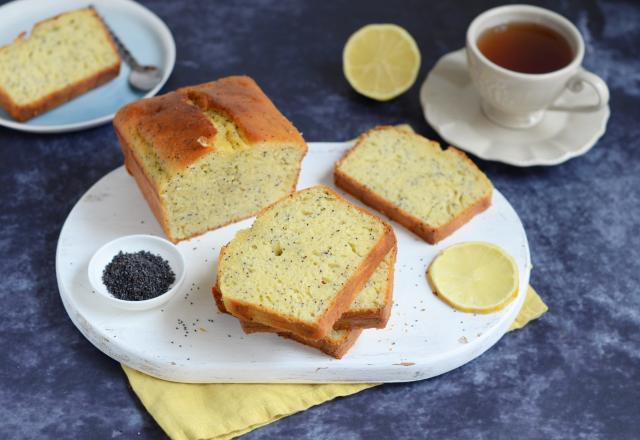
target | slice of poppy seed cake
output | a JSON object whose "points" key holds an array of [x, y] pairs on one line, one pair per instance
{"points": [[370, 308], [430, 191], [61, 58], [303, 261]]}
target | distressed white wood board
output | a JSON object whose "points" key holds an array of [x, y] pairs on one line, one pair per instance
{"points": [[424, 337]]}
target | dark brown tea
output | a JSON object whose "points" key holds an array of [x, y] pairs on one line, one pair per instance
{"points": [[525, 47]]}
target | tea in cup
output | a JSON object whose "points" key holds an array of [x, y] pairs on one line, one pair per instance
{"points": [[521, 58]]}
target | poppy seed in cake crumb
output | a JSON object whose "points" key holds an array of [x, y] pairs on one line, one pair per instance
{"points": [[137, 276]]}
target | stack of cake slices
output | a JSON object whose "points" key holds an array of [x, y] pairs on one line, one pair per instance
{"points": [[312, 268]]}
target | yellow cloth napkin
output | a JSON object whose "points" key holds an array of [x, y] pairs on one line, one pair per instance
{"points": [[532, 308], [224, 411]]}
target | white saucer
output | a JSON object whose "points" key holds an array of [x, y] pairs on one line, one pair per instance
{"points": [[452, 106], [144, 34]]}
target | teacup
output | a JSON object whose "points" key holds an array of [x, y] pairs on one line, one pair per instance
{"points": [[519, 100]]}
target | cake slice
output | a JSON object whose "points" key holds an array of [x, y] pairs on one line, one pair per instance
{"points": [[303, 261], [370, 308], [64, 56], [335, 344], [412, 180], [209, 155], [372, 305]]}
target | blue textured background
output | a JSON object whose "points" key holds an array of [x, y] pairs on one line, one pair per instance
{"points": [[573, 374]]}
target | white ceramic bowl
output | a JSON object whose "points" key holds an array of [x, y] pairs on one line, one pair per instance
{"points": [[135, 243]]}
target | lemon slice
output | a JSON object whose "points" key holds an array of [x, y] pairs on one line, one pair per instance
{"points": [[474, 277], [381, 61]]}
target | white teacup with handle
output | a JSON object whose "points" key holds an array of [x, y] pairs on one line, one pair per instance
{"points": [[519, 100]]}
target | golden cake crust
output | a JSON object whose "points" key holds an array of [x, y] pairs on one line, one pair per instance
{"points": [[327, 345], [240, 99], [417, 226], [24, 112], [181, 133], [176, 129]]}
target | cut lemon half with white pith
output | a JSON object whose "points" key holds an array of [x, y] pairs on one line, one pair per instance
{"points": [[381, 61], [474, 277]]}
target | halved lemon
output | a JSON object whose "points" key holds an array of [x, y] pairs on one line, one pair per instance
{"points": [[474, 277], [381, 61]]}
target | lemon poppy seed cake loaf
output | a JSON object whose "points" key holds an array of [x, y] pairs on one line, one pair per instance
{"points": [[335, 344], [209, 155], [370, 308], [63, 57], [412, 180], [302, 262]]}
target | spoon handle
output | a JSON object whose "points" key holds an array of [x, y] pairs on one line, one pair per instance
{"points": [[126, 55]]}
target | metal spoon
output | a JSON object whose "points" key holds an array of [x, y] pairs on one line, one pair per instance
{"points": [[141, 77]]}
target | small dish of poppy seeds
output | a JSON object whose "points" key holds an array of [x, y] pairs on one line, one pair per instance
{"points": [[137, 272]]}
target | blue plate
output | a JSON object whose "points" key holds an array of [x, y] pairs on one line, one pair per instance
{"points": [[146, 36]]}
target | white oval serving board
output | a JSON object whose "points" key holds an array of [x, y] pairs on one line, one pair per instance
{"points": [[424, 337]]}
